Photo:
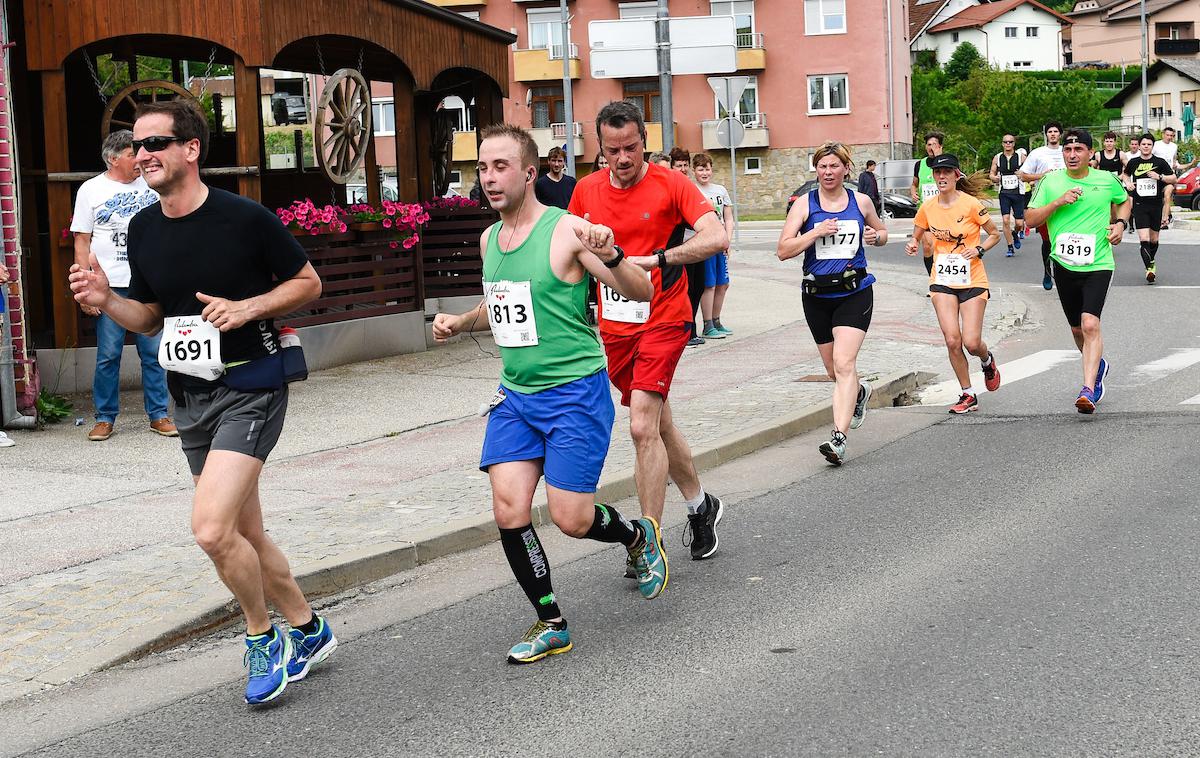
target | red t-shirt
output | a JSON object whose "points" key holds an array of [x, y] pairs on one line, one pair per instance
{"points": [[649, 215]]}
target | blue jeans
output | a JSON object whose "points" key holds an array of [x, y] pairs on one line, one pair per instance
{"points": [[106, 386]]}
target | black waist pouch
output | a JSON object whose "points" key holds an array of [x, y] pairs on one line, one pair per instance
{"points": [[832, 284], [259, 375]]}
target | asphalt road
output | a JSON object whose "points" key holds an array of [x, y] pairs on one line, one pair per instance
{"points": [[1019, 582]]}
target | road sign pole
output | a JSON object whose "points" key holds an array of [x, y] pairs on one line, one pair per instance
{"points": [[663, 36], [733, 175], [568, 108]]}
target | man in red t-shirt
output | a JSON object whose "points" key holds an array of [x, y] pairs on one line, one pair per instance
{"points": [[648, 207]]}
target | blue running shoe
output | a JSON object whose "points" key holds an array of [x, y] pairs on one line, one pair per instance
{"points": [[1009, 252], [1086, 402], [1101, 375], [543, 638], [1017, 240], [652, 564], [1047, 282], [267, 658], [309, 649]]}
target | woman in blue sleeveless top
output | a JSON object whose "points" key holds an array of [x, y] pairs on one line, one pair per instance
{"points": [[830, 227]]}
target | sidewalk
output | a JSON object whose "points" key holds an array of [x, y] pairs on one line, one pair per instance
{"points": [[376, 471]]}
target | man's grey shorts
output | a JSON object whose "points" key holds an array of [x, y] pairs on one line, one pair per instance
{"points": [[228, 419]]}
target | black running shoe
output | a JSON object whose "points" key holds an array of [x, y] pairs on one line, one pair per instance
{"points": [[702, 529]]}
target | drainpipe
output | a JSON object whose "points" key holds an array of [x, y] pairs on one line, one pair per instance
{"points": [[10, 233]]}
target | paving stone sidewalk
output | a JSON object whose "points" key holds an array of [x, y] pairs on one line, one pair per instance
{"points": [[96, 542]]}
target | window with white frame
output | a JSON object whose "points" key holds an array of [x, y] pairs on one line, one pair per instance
{"points": [[637, 10], [545, 28], [455, 179], [464, 115], [824, 16], [747, 107], [753, 165], [383, 117], [954, 36], [1022, 64], [1010, 32], [1031, 31], [828, 94], [743, 18]]}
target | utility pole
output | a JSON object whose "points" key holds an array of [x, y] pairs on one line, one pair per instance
{"points": [[568, 107], [1145, 64], [663, 36], [891, 107]]}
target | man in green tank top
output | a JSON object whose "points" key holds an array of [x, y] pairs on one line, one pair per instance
{"points": [[552, 415], [924, 187]]}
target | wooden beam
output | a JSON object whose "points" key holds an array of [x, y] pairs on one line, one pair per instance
{"points": [[248, 118], [406, 140], [371, 167], [61, 253], [423, 109]]}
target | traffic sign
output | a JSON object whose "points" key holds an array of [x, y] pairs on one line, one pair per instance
{"points": [[730, 132], [728, 90], [629, 47]]}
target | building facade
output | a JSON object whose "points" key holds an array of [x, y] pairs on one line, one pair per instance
{"points": [[1011, 34], [1173, 89], [1109, 31], [817, 72]]}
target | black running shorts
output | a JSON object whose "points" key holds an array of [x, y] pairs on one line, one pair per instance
{"points": [[227, 419], [962, 293], [1147, 215], [1081, 292], [824, 313]]}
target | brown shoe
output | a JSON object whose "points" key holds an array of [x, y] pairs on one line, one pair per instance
{"points": [[164, 426], [101, 431]]}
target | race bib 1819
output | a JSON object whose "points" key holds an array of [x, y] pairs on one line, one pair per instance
{"points": [[1076, 249]]}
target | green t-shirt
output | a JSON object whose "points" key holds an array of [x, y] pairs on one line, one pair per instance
{"points": [[1087, 218]]}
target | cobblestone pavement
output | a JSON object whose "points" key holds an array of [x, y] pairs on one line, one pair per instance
{"points": [[96, 543]]}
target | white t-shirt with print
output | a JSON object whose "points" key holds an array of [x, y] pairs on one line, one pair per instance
{"points": [[103, 209], [719, 197]]}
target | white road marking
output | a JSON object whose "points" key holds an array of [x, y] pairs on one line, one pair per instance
{"points": [[1179, 359], [1192, 401], [944, 393]]}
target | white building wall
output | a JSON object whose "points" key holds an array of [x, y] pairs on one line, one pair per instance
{"points": [[1168, 82], [1044, 52]]}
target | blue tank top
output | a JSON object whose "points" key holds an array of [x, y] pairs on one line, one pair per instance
{"points": [[815, 265]]}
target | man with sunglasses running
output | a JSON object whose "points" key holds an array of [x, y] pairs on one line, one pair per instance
{"points": [[1005, 166], [212, 270]]}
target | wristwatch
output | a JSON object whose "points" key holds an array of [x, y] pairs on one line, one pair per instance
{"points": [[662, 257], [616, 261], [1124, 224], [981, 251]]}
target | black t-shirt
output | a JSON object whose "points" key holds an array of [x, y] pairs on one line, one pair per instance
{"points": [[550, 192], [229, 247], [1137, 167]]}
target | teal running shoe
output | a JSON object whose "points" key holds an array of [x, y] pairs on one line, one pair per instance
{"points": [[713, 333], [543, 638], [652, 564], [267, 657], [309, 649], [726, 330]]}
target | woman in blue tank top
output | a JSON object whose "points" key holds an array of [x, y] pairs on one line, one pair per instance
{"points": [[831, 226]]}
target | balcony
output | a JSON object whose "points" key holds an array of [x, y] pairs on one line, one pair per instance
{"points": [[756, 132], [556, 136], [1176, 47], [544, 64], [465, 147], [654, 141], [751, 55]]}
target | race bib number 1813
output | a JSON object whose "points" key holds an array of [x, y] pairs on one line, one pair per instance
{"points": [[510, 314]]}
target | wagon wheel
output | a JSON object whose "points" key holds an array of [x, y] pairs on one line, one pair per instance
{"points": [[119, 113], [343, 124]]}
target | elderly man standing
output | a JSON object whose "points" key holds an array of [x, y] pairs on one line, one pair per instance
{"points": [[103, 208]]}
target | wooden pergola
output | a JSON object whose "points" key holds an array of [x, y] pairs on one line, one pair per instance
{"points": [[426, 53]]}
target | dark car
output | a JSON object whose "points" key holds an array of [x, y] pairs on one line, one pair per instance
{"points": [[898, 206]]}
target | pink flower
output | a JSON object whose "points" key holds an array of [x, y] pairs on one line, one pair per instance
{"points": [[410, 242], [387, 223], [393, 244]]}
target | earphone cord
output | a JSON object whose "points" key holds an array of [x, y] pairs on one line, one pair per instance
{"points": [[503, 252]]}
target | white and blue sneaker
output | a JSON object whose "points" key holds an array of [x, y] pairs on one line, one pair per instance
{"points": [[267, 657], [542, 639], [309, 649], [1101, 375]]}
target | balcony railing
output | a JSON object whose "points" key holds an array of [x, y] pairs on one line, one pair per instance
{"points": [[559, 130], [556, 52], [1176, 46], [750, 41], [749, 120]]}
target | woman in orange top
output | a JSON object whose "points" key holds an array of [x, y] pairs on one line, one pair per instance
{"points": [[958, 283]]}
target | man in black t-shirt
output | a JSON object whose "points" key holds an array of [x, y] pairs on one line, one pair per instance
{"points": [[1145, 176], [211, 270], [555, 188]]}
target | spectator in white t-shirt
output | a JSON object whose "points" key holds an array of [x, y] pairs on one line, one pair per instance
{"points": [[103, 209], [1167, 149]]}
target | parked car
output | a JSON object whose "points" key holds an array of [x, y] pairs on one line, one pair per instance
{"points": [[1187, 189], [357, 193], [297, 113], [898, 206]]}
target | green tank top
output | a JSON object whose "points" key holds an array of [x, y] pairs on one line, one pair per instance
{"points": [[539, 321], [926, 186]]}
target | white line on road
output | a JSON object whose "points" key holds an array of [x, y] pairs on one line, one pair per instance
{"points": [[1180, 358], [946, 392], [1192, 401]]}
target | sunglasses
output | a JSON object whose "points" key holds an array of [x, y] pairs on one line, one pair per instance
{"points": [[1009, 141], [155, 144]]}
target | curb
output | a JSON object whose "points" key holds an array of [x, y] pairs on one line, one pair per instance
{"points": [[370, 564]]}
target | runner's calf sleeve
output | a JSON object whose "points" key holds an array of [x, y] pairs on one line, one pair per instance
{"points": [[531, 568], [1147, 256], [928, 264], [1153, 251], [610, 526]]}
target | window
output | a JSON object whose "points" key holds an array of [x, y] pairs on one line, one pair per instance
{"points": [[645, 96], [1010, 32], [383, 117], [747, 107], [455, 179], [824, 16], [545, 28], [1022, 64], [828, 93], [473, 15], [753, 166], [743, 17], [1031, 31], [546, 106], [954, 36], [637, 10], [464, 115]]}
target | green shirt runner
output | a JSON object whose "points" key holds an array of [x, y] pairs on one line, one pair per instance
{"points": [[528, 305], [1087, 219]]}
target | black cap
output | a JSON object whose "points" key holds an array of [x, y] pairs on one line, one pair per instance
{"points": [[945, 160], [1078, 136]]}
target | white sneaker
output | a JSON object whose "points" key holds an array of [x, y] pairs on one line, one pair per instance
{"points": [[6, 441], [860, 405]]}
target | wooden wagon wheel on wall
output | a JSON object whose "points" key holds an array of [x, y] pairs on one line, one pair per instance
{"points": [[343, 124], [119, 113]]}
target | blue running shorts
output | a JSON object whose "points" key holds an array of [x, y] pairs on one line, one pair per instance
{"points": [[716, 270], [568, 427]]}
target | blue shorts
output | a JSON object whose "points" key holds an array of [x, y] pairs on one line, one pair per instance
{"points": [[568, 428], [716, 270], [1014, 204]]}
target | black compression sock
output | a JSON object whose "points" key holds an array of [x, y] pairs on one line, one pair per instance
{"points": [[1153, 251], [610, 526], [1144, 249], [311, 627], [928, 264], [530, 566]]}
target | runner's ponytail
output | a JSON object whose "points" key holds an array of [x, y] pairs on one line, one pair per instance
{"points": [[975, 184]]}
